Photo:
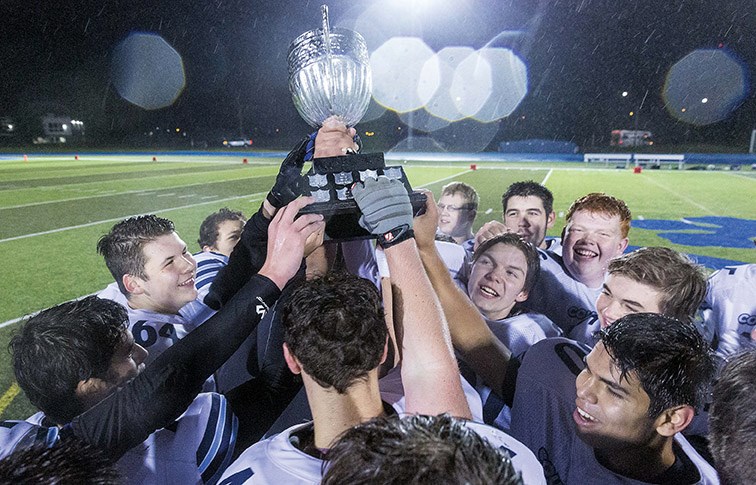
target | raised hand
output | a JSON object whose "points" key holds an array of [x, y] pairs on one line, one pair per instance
{"points": [[386, 209], [287, 236]]}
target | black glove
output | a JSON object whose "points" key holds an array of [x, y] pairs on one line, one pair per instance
{"points": [[386, 209], [290, 183]]}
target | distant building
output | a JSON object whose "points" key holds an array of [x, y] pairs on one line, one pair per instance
{"points": [[631, 138], [59, 129]]}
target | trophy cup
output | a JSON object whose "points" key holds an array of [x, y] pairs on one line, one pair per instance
{"points": [[329, 75]]}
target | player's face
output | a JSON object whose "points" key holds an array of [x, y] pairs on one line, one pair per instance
{"points": [[611, 413], [590, 241], [622, 295], [497, 280], [127, 363], [229, 233], [527, 217], [454, 218], [170, 271]]}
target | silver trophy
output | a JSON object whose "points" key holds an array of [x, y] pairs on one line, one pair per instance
{"points": [[329, 74]]}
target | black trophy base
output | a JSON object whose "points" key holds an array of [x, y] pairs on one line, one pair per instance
{"points": [[331, 180]]}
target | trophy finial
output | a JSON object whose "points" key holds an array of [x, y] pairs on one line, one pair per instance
{"points": [[328, 54]]}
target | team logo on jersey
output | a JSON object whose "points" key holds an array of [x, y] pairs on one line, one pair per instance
{"points": [[582, 314], [746, 319], [262, 308]]}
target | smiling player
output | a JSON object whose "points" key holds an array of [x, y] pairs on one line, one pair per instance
{"points": [[614, 415], [155, 273], [566, 292]]}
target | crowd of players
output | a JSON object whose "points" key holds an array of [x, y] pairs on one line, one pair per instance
{"points": [[427, 354]]}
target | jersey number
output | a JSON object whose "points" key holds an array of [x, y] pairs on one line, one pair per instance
{"points": [[146, 335]]}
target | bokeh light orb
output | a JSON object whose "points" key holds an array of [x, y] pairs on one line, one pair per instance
{"points": [[509, 83], [147, 72], [402, 78], [471, 85], [443, 104], [705, 87]]}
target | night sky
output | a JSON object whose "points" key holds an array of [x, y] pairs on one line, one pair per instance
{"points": [[581, 55]]}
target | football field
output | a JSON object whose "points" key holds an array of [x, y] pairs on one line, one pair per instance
{"points": [[54, 209]]}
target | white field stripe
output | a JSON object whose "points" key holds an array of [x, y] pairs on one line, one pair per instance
{"points": [[253, 197], [680, 196], [109, 194], [446, 178], [738, 175], [543, 182], [16, 320]]}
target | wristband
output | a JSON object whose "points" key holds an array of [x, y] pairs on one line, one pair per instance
{"points": [[395, 236]]}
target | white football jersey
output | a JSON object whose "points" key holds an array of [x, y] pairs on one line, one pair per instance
{"points": [[542, 418], [519, 332], [208, 265], [153, 330], [453, 255], [567, 302], [277, 460], [554, 244], [196, 448], [729, 309]]}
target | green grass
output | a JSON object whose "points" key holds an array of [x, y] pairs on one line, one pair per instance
{"points": [[53, 210]]}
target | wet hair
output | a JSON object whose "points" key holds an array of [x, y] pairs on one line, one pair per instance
{"points": [[530, 252], [68, 462], [467, 191], [416, 450], [208, 233], [527, 189], [732, 420], [123, 246], [63, 345], [670, 359], [335, 327], [680, 281], [598, 203]]}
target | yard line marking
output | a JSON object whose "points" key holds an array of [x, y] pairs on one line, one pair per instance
{"points": [[126, 192], [255, 197], [11, 322], [166, 195], [686, 199], [446, 178], [543, 182], [9, 395], [753, 179]]}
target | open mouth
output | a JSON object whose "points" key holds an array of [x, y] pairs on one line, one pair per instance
{"points": [[188, 282], [583, 418], [585, 253], [488, 291]]}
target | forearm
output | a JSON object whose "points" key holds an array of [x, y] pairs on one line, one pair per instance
{"points": [[429, 367], [469, 333], [163, 391]]}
